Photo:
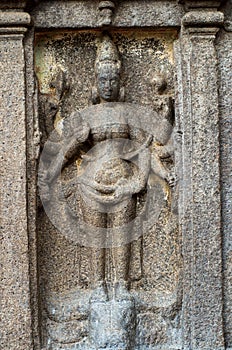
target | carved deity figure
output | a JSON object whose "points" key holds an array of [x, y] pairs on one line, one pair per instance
{"points": [[116, 169], [114, 172]]}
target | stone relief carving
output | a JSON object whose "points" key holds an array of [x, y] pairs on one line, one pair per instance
{"points": [[100, 161], [106, 9], [50, 102]]}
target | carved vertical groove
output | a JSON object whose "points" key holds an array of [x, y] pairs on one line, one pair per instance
{"points": [[15, 291], [202, 310]]}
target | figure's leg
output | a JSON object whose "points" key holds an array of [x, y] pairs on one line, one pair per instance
{"points": [[121, 263], [136, 261], [96, 221], [122, 221], [98, 266]]}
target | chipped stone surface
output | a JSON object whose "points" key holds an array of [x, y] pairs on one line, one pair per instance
{"points": [[175, 296], [84, 14], [153, 271], [225, 110], [201, 185], [15, 311]]}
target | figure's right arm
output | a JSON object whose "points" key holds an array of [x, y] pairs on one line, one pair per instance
{"points": [[75, 132]]}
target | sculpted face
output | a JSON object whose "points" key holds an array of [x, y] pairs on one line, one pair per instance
{"points": [[108, 83]]}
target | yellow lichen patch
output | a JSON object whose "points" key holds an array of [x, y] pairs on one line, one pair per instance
{"points": [[58, 123], [166, 37], [78, 164], [45, 65]]}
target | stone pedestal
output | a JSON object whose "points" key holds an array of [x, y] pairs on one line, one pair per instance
{"points": [[112, 324]]}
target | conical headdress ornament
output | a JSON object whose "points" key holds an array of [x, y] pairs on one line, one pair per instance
{"points": [[107, 54]]}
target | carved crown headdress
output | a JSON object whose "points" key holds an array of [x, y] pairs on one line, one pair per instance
{"points": [[107, 54]]}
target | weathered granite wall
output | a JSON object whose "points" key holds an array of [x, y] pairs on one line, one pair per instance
{"points": [[225, 112], [15, 291], [175, 62]]}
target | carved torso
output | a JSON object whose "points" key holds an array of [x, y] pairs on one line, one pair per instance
{"points": [[105, 163]]}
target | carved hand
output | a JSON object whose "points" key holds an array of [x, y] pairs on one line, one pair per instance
{"points": [[171, 179], [82, 132], [107, 194], [162, 151], [127, 188], [178, 136]]}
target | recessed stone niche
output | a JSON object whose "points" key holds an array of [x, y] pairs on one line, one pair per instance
{"points": [[65, 69], [116, 175]]}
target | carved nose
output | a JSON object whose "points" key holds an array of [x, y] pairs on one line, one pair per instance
{"points": [[108, 84]]}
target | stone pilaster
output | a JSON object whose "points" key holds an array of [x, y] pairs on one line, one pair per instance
{"points": [[223, 45], [15, 314], [200, 208]]}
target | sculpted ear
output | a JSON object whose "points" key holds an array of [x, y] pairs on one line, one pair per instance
{"points": [[95, 98]]}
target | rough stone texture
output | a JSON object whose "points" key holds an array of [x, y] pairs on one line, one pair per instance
{"points": [[225, 112], [144, 31], [15, 295], [197, 104], [84, 14], [33, 147], [66, 268], [13, 4]]}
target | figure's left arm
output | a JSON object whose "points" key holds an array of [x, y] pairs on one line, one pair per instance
{"points": [[159, 169], [149, 161], [164, 152]]}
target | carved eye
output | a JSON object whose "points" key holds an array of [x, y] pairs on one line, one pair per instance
{"points": [[102, 80]]}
